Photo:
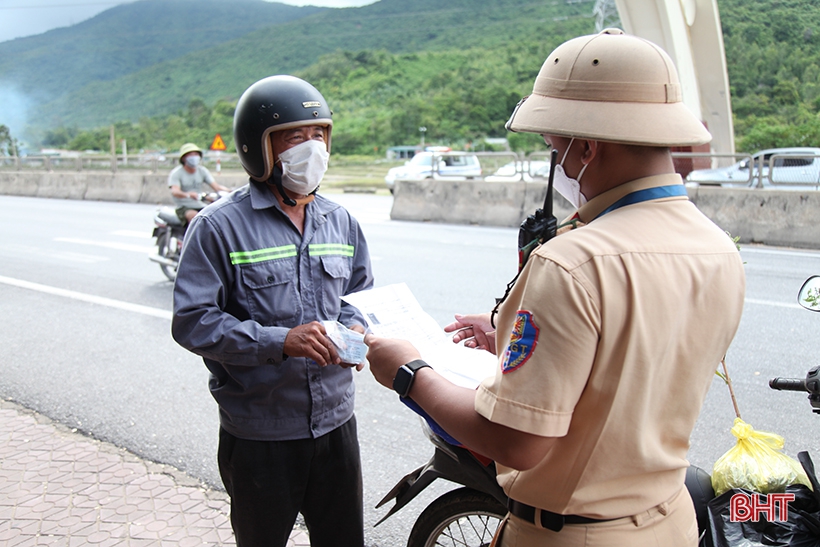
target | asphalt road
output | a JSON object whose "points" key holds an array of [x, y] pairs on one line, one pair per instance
{"points": [[84, 337]]}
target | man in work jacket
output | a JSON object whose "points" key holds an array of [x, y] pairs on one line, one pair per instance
{"points": [[260, 270], [609, 340]]}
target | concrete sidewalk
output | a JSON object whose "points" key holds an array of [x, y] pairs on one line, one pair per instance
{"points": [[61, 488]]}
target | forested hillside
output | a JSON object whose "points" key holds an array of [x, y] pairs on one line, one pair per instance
{"points": [[773, 56], [128, 38], [456, 67], [398, 26]]}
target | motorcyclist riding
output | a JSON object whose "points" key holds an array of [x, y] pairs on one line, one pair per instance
{"points": [[186, 180]]}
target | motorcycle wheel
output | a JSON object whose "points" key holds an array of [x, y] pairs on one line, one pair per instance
{"points": [[462, 517], [166, 249]]}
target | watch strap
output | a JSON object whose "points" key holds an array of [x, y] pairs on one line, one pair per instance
{"points": [[416, 364], [405, 376]]}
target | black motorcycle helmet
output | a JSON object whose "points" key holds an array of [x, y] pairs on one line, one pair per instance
{"points": [[273, 104]]}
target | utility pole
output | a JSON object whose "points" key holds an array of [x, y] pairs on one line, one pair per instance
{"points": [[113, 150]]}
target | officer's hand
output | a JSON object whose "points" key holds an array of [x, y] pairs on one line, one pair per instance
{"points": [[311, 341], [475, 330], [386, 355], [359, 366]]}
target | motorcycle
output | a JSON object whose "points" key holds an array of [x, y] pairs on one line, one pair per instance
{"points": [[809, 298], [469, 515], [169, 231]]}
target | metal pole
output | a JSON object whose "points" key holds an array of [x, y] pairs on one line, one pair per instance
{"points": [[113, 150]]}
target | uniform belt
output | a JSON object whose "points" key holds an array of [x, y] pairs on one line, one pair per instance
{"points": [[549, 520]]}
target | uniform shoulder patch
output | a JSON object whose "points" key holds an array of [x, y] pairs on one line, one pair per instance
{"points": [[523, 340]]}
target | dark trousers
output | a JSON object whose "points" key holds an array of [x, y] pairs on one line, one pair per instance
{"points": [[270, 482]]}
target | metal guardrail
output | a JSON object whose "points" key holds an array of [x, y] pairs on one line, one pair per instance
{"points": [[785, 171], [790, 171], [499, 166], [107, 162]]}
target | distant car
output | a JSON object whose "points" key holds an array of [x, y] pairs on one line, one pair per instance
{"points": [[801, 172], [449, 165], [521, 170]]}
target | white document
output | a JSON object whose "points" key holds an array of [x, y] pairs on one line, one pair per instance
{"points": [[393, 312]]}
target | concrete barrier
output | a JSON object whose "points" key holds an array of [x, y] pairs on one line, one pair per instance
{"points": [[125, 186], [772, 217], [470, 202]]}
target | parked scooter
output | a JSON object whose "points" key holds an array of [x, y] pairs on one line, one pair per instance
{"points": [[169, 231]]}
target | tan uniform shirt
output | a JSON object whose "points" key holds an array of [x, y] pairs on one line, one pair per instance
{"points": [[609, 341]]}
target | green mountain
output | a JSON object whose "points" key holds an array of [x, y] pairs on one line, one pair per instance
{"points": [[456, 67], [224, 70]]}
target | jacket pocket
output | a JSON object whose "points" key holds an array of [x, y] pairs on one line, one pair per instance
{"points": [[271, 291], [335, 273]]}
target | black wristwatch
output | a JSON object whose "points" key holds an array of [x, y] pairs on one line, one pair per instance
{"points": [[405, 376]]}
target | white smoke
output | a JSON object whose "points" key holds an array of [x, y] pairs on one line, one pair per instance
{"points": [[14, 108]]}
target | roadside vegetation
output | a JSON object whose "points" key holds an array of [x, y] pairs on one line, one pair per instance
{"points": [[461, 95]]}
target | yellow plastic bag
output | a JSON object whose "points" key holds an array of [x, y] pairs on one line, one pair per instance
{"points": [[756, 463]]}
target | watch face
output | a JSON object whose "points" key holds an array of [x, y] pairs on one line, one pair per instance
{"points": [[402, 381]]}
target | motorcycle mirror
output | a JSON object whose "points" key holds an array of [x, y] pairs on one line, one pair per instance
{"points": [[809, 295]]}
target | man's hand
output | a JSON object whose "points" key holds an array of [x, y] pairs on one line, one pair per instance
{"points": [[387, 355], [311, 341], [475, 330]]}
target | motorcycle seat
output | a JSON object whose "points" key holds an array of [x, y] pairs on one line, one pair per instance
{"points": [[169, 216]]}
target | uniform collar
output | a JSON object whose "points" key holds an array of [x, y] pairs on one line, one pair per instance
{"points": [[597, 205]]}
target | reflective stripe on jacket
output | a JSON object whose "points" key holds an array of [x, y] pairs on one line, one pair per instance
{"points": [[245, 278]]}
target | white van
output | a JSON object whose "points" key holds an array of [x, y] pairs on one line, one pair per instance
{"points": [[449, 165]]}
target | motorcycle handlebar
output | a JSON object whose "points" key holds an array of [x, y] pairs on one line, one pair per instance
{"points": [[788, 384]]}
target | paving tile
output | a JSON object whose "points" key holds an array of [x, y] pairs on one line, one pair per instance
{"points": [[63, 489]]}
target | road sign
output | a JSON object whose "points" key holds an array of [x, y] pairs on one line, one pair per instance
{"points": [[218, 143]]}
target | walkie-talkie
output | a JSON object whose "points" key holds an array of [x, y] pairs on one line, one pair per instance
{"points": [[537, 228]]}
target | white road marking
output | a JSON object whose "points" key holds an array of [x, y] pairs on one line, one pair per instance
{"points": [[78, 257], [65, 256], [102, 301], [140, 234], [106, 244], [803, 254], [772, 303]]}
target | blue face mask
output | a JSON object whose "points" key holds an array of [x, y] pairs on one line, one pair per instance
{"points": [[192, 160]]}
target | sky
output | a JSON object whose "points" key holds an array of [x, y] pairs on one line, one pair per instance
{"points": [[19, 18]]}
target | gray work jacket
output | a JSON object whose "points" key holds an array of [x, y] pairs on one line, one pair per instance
{"points": [[247, 276]]}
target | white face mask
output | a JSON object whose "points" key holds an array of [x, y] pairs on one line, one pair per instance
{"points": [[569, 187], [192, 160], [303, 166]]}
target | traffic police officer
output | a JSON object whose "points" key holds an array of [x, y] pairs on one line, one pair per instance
{"points": [[610, 338]]}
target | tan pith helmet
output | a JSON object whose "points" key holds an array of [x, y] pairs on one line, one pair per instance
{"points": [[610, 87]]}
